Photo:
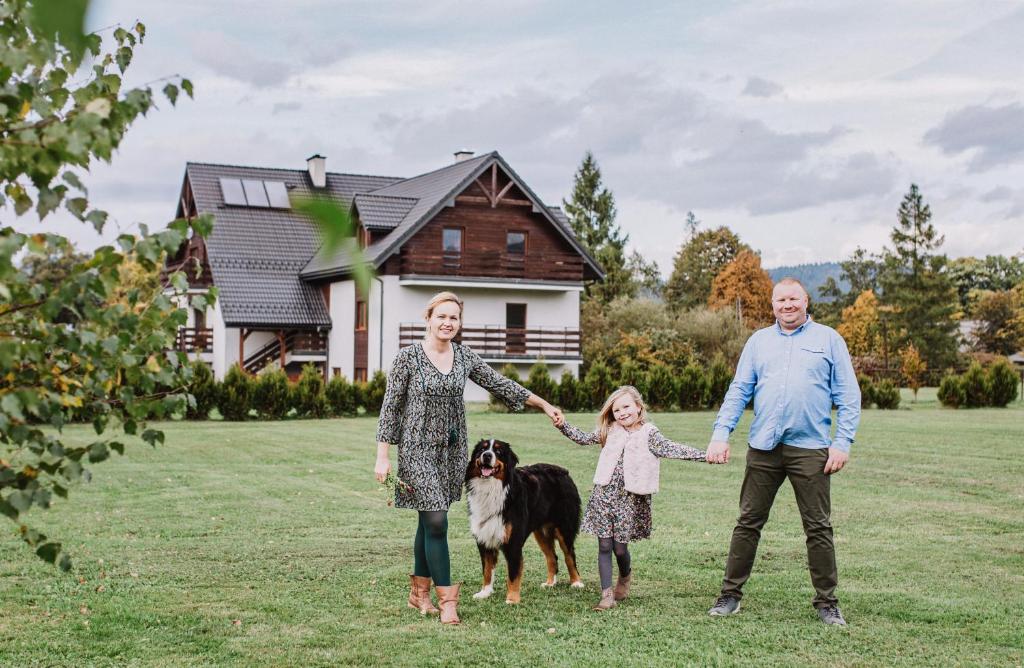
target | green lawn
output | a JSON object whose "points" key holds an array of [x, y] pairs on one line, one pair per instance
{"points": [[269, 544]]}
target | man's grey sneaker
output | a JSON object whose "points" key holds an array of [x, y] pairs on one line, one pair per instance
{"points": [[830, 614], [725, 605]]}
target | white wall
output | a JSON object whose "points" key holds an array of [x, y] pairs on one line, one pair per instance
{"points": [[343, 315], [224, 341]]}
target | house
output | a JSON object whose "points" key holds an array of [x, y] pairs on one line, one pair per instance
{"points": [[473, 227]]}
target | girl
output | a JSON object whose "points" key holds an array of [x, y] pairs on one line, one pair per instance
{"points": [[619, 510]]}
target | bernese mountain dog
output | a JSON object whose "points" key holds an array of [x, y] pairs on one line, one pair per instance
{"points": [[507, 503]]}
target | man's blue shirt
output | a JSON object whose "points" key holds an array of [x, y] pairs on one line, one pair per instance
{"points": [[795, 380]]}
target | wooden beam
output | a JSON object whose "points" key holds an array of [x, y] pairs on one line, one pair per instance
{"points": [[280, 341], [490, 195], [504, 191], [494, 184], [241, 347], [473, 199]]}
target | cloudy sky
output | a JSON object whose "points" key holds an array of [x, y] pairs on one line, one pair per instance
{"points": [[799, 124]]}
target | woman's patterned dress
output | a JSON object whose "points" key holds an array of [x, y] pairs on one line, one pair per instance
{"points": [[612, 512], [425, 414]]}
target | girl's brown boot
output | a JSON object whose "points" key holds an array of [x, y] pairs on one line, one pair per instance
{"points": [[607, 600], [419, 595], [448, 598]]}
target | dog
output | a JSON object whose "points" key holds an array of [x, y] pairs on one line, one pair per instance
{"points": [[507, 504]]}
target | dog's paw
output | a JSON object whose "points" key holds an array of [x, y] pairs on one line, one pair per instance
{"points": [[483, 593], [547, 584], [578, 584]]}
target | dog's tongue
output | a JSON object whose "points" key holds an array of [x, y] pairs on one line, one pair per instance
{"points": [[486, 472]]}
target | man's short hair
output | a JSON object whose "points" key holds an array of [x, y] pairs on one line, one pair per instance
{"points": [[789, 280]]}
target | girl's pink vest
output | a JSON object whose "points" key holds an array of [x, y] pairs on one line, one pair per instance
{"points": [[640, 468]]}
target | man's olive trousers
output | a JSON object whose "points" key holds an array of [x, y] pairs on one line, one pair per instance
{"points": [[764, 474]]}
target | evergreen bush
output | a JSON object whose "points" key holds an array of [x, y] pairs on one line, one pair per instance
{"points": [[693, 388], [976, 387], [375, 390], [661, 392], [540, 382], [887, 395], [719, 377], [599, 384], [1002, 383], [235, 396], [271, 396], [308, 396], [867, 391], [204, 389], [569, 395], [509, 371], [341, 396], [951, 391], [631, 373]]}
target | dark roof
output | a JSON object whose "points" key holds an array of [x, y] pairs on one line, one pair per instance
{"points": [[260, 256], [256, 254], [383, 211], [432, 191]]}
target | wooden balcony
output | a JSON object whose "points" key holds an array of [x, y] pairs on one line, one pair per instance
{"points": [[548, 266], [498, 341], [194, 340]]}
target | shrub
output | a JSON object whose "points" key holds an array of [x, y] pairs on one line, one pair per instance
{"points": [[693, 388], [509, 371], [661, 392], [867, 391], [976, 387], [951, 391], [569, 395], [308, 394], [540, 383], [236, 394], [887, 395], [599, 384], [719, 377], [341, 396], [1002, 383], [631, 373], [271, 395], [374, 394], [204, 389]]}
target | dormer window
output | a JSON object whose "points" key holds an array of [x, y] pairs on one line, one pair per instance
{"points": [[451, 241], [515, 243]]}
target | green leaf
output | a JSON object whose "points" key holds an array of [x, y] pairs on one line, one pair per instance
{"points": [[186, 86], [20, 500], [123, 58], [49, 551], [171, 91], [97, 218], [151, 436], [98, 452], [73, 179], [61, 20]]}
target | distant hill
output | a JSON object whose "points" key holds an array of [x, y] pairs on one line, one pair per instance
{"points": [[811, 275]]}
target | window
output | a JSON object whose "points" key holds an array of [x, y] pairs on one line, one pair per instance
{"points": [[515, 243], [451, 241], [250, 192], [335, 371], [232, 191], [360, 375], [361, 316], [254, 193], [515, 329]]}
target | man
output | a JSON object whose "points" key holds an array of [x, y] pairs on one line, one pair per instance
{"points": [[795, 370]]}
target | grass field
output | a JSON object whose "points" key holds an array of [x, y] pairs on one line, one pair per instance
{"points": [[269, 544]]}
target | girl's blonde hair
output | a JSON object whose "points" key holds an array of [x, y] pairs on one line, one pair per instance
{"points": [[606, 418], [440, 298]]}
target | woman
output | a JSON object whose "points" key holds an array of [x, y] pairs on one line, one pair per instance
{"points": [[425, 415]]}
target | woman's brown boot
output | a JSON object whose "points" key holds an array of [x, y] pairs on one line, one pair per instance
{"points": [[448, 598], [419, 595], [622, 587], [607, 600]]}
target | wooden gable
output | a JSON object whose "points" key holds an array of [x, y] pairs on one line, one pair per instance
{"points": [[486, 212]]}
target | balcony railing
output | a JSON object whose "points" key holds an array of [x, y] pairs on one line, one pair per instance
{"points": [[506, 342], [550, 266], [195, 340]]}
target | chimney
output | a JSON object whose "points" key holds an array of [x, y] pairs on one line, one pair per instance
{"points": [[317, 166], [463, 155]]}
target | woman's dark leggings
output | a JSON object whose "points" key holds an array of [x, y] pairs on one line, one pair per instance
{"points": [[605, 547], [430, 551]]}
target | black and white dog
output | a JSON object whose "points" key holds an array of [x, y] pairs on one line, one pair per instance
{"points": [[507, 504]]}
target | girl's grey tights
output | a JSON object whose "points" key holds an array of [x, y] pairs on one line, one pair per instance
{"points": [[605, 547]]}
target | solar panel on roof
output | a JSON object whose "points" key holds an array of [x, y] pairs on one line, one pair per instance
{"points": [[277, 194], [232, 191], [254, 193]]}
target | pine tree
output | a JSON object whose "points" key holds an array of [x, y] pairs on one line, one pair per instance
{"points": [[916, 286], [697, 263], [591, 212]]}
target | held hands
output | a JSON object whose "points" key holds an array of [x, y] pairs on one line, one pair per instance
{"points": [[555, 413], [718, 452], [836, 460]]}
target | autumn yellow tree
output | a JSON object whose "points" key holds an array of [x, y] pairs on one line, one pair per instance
{"points": [[860, 326], [743, 284], [913, 366]]}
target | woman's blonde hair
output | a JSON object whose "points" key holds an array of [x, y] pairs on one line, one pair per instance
{"points": [[440, 298], [606, 418]]}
